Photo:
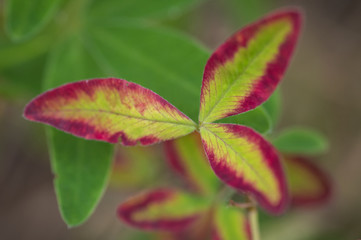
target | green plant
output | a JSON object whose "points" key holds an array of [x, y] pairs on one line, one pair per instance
{"points": [[239, 76]]}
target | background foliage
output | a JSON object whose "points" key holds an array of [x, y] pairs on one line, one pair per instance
{"points": [[71, 40]]}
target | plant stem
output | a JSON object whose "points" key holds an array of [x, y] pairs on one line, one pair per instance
{"points": [[252, 214], [253, 219]]}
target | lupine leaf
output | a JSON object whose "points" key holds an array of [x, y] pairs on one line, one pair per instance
{"points": [[162, 209], [244, 160], [81, 170], [230, 223], [110, 110], [73, 60], [186, 156], [25, 18], [298, 140], [308, 184], [243, 72]]}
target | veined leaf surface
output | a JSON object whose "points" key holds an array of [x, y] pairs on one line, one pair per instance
{"points": [[110, 110], [186, 156], [230, 223], [162, 209], [244, 160], [308, 184], [244, 71]]}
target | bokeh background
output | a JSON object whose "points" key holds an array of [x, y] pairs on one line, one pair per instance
{"points": [[321, 90]]}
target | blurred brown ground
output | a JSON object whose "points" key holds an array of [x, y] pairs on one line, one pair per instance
{"points": [[322, 90]]}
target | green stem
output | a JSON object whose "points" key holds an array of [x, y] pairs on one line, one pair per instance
{"points": [[252, 214], [253, 219]]}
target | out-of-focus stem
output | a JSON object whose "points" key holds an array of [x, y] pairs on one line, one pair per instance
{"points": [[252, 214], [253, 220]]}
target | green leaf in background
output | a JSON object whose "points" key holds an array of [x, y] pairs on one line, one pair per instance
{"points": [[230, 223], [247, 10], [299, 140], [81, 167], [257, 119], [273, 107], [138, 9], [81, 170], [135, 167], [26, 18], [263, 118], [23, 79], [186, 156], [160, 59]]}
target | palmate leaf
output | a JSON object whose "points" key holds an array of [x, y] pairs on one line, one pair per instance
{"points": [[308, 184], [244, 160], [162, 209], [244, 71], [118, 47], [110, 110], [73, 60], [230, 223], [186, 156], [239, 76]]}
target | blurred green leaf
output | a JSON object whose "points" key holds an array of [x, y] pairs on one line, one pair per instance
{"points": [[247, 10], [81, 170], [257, 119], [186, 157], [298, 140], [81, 167], [165, 61], [273, 107], [231, 223], [138, 9], [70, 61], [135, 167], [26, 18], [262, 118], [23, 79], [13, 54]]}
